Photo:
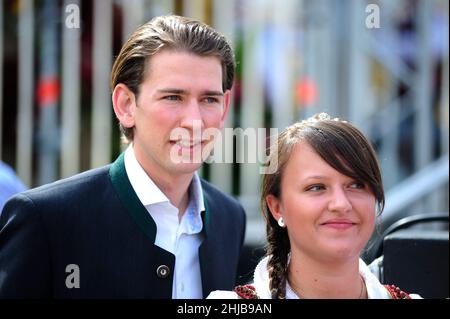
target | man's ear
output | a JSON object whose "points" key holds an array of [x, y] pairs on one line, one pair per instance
{"points": [[226, 107], [274, 204], [124, 103]]}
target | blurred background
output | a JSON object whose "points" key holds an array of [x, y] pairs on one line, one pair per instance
{"points": [[382, 65]]}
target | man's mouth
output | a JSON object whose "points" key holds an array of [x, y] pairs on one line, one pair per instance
{"points": [[186, 144]]}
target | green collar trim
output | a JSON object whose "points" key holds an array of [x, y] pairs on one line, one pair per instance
{"points": [[129, 199], [133, 205]]}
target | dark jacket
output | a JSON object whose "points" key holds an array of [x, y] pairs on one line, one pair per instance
{"points": [[95, 221]]}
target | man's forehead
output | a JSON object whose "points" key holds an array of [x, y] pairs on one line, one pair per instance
{"points": [[175, 55], [181, 71]]}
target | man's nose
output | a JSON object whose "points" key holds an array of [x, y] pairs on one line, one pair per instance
{"points": [[339, 201], [192, 116]]}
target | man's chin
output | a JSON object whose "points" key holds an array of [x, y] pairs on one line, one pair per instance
{"points": [[187, 168]]}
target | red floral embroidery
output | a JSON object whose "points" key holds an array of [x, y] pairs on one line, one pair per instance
{"points": [[249, 292], [246, 292], [396, 292]]}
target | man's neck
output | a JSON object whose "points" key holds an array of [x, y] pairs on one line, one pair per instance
{"points": [[176, 190], [174, 186]]}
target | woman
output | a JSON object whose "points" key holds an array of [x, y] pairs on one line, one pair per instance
{"points": [[320, 207]]}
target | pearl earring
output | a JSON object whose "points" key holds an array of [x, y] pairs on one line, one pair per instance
{"points": [[281, 222]]}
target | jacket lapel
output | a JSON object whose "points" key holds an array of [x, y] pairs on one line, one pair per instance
{"points": [[129, 199], [210, 254]]}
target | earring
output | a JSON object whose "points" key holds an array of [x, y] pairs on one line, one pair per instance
{"points": [[281, 222]]}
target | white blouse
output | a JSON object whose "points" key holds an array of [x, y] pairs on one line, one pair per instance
{"points": [[375, 290]]}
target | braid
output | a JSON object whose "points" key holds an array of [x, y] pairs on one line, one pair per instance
{"points": [[278, 248]]}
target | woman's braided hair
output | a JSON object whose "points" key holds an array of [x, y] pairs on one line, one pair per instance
{"points": [[344, 148]]}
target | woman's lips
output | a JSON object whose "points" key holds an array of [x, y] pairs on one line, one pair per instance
{"points": [[339, 224]]}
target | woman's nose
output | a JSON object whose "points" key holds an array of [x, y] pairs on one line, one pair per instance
{"points": [[339, 201]]}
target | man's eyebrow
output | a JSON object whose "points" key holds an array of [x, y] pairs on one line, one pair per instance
{"points": [[173, 91], [215, 93], [180, 91]]}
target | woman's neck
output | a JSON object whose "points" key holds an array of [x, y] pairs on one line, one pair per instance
{"points": [[315, 279]]}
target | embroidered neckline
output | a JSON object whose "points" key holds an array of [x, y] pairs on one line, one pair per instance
{"points": [[246, 292], [396, 292], [249, 292]]}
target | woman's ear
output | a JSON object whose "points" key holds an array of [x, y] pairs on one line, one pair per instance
{"points": [[124, 103], [274, 204]]}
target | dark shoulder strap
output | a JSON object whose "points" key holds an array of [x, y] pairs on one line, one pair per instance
{"points": [[396, 292], [246, 292]]}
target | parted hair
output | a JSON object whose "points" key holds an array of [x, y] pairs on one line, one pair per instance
{"points": [[344, 148], [169, 33]]}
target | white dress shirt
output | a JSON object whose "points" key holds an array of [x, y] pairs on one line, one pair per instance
{"points": [[181, 238]]}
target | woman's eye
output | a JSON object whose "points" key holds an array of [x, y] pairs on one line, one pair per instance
{"points": [[357, 185], [315, 188]]}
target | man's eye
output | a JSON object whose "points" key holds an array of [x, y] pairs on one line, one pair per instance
{"points": [[172, 97], [211, 100]]}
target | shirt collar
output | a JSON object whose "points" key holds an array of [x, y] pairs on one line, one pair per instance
{"points": [[375, 290], [149, 193], [146, 190], [196, 193]]}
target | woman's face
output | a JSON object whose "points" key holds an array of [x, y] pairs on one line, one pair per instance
{"points": [[329, 216]]}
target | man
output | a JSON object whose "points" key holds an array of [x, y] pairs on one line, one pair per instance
{"points": [[145, 226]]}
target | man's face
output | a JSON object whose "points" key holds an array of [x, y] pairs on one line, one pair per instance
{"points": [[181, 91]]}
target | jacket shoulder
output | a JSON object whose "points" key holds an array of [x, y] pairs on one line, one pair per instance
{"points": [[72, 185], [59, 195]]}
